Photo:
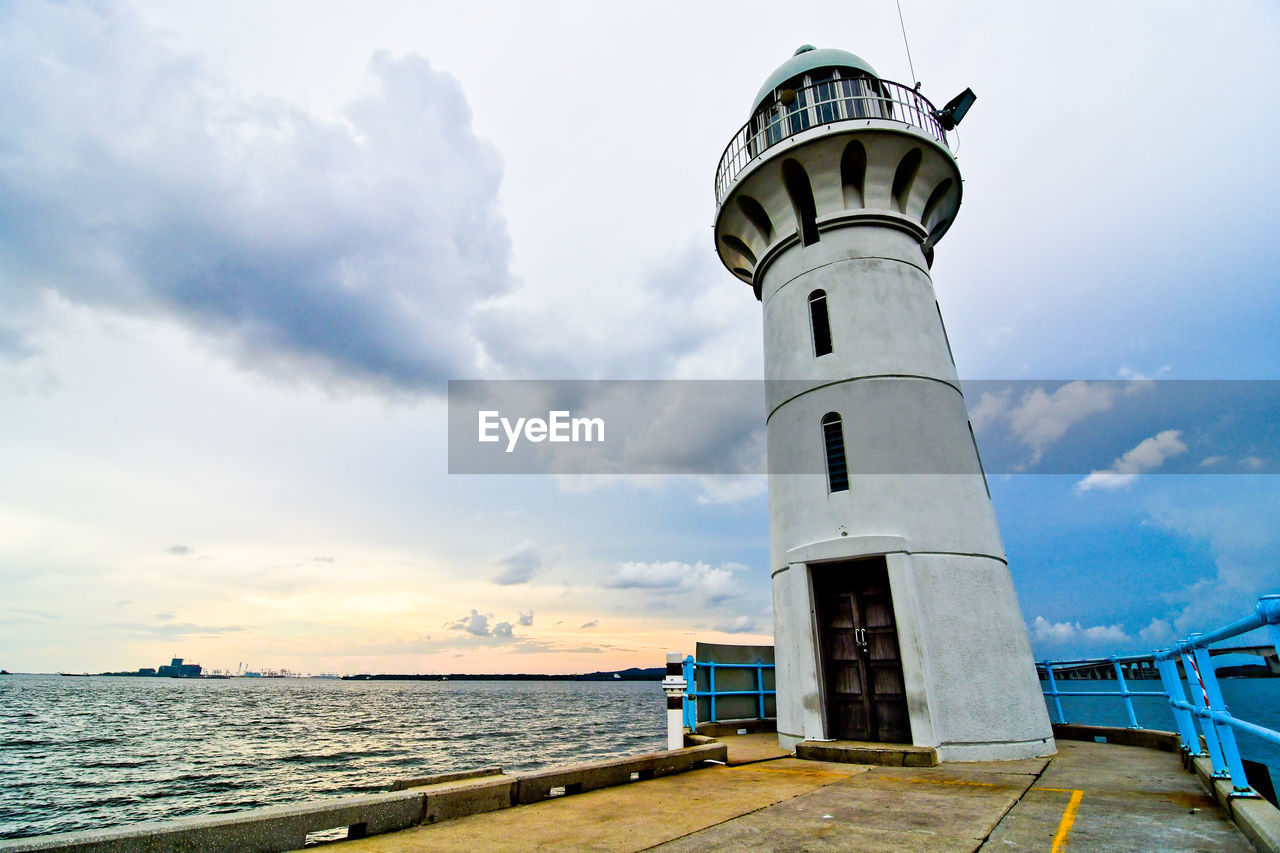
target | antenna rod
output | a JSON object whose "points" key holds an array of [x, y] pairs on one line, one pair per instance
{"points": [[910, 64]]}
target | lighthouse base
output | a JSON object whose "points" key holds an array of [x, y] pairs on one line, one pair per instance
{"points": [[927, 649]]}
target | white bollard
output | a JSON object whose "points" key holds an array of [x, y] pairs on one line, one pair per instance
{"points": [[674, 686]]}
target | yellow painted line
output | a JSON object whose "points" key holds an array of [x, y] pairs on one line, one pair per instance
{"points": [[927, 781], [810, 773], [1064, 825]]}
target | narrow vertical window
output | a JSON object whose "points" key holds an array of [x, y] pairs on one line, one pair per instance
{"points": [[833, 438], [819, 322]]}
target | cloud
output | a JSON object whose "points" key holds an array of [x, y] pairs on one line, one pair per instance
{"points": [[738, 625], [1150, 454], [355, 248], [990, 409], [14, 345], [1157, 632], [1253, 463], [694, 427], [526, 619], [713, 584], [1129, 373], [1063, 633], [519, 566], [180, 550], [1040, 418], [26, 613], [676, 321], [592, 624], [477, 623], [1230, 518], [179, 630], [730, 489]]}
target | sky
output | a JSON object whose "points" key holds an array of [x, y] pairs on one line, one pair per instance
{"points": [[244, 247]]}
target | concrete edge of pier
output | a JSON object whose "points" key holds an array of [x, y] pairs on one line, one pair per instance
{"points": [[459, 799], [1256, 818], [411, 803]]}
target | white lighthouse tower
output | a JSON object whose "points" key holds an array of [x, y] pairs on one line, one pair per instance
{"points": [[895, 618]]}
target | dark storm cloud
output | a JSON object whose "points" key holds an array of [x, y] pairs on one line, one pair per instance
{"points": [[132, 178]]}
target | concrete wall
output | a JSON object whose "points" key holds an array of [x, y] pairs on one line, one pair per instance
{"points": [[436, 798]]}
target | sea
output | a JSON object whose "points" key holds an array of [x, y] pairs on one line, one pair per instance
{"points": [[98, 751]]}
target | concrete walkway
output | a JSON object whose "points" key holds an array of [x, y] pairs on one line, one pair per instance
{"points": [[1089, 797]]}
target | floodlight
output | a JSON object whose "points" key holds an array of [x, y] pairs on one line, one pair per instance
{"points": [[950, 115]]}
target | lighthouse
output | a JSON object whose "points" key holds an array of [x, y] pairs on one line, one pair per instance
{"points": [[895, 618]]}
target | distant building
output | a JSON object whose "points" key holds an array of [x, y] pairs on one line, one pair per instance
{"points": [[178, 669]]}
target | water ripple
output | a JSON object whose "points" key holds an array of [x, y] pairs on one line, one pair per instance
{"points": [[80, 753]]}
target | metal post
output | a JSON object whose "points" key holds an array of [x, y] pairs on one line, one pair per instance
{"points": [[673, 685], [711, 688], [1053, 691], [1181, 716], [1124, 693], [690, 696], [760, 685], [1269, 612], [1200, 696], [1226, 737]]}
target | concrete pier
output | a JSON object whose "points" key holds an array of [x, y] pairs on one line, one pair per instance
{"points": [[1090, 796], [1132, 792]]}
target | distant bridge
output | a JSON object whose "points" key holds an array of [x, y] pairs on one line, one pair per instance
{"points": [[1267, 653]]}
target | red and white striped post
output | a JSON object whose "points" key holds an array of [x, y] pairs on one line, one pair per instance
{"points": [[674, 686]]}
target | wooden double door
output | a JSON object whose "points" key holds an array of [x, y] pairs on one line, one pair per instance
{"points": [[861, 662]]}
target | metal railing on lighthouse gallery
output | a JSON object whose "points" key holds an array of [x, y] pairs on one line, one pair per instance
{"points": [[824, 104]]}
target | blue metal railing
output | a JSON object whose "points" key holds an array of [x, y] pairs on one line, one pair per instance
{"points": [[1216, 723], [692, 694]]}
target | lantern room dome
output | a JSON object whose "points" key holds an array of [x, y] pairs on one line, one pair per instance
{"points": [[807, 58]]}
